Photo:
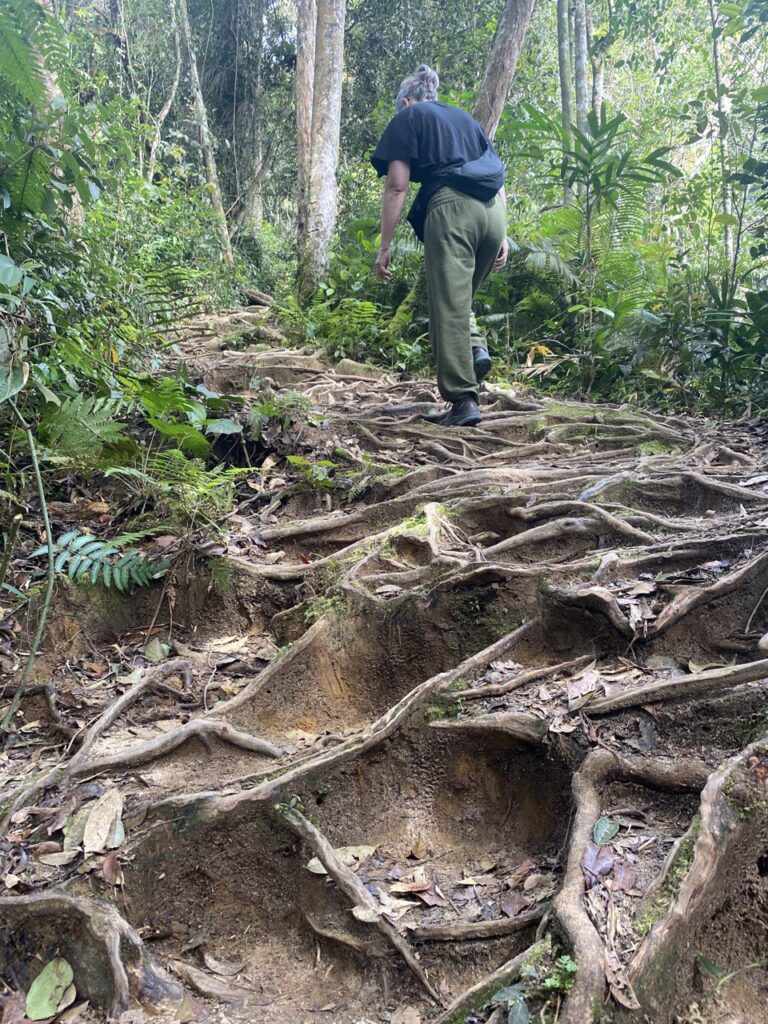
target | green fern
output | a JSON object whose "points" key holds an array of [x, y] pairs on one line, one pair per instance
{"points": [[79, 425], [81, 557], [20, 70]]}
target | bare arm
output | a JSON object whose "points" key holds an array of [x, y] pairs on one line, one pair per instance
{"points": [[501, 259], [395, 191]]}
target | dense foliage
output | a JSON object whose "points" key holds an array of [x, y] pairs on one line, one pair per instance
{"points": [[638, 267]]}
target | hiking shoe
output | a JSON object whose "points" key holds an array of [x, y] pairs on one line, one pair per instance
{"points": [[481, 362], [464, 413]]}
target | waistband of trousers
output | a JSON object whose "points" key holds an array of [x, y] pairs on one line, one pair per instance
{"points": [[446, 194]]}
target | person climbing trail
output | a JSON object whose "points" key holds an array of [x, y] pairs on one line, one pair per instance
{"points": [[459, 214]]}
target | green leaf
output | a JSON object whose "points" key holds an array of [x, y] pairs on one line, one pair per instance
{"points": [[729, 219], [711, 968], [604, 831], [10, 274], [156, 650], [48, 992], [519, 1013], [223, 427]]}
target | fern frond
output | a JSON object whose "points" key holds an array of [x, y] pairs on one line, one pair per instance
{"points": [[81, 556], [20, 69], [80, 425]]}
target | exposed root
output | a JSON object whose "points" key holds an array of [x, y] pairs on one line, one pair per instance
{"points": [[127, 972], [477, 929], [680, 687], [585, 1000], [199, 728], [365, 906]]}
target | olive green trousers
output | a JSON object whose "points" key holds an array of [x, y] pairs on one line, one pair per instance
{"points": [[462, 238]]}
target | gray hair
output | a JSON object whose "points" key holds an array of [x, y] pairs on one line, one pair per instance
{"points": [[418, 87]]}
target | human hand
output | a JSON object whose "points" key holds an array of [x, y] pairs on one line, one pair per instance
{"points": [[381, 266], [501, 259]]}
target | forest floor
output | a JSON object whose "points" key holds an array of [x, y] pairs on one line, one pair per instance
{"points": [[460, 725]]}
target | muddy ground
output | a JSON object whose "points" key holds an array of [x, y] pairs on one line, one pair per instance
{"points": [[460, 725]]}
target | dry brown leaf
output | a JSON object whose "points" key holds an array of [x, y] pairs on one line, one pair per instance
{"points": [[104, 827], [226, 970], [419, 850], [112, 871]]}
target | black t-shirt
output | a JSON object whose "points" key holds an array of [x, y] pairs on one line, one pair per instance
{"points": [[444, 146]]}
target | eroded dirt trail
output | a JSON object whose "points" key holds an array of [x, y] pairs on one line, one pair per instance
{"points": [[500, 698]]}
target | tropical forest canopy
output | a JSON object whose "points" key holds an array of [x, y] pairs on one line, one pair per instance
{"points": [[157, 157]]}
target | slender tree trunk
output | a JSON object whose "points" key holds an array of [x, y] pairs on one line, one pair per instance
{"points": [[582, 84], [206, 143], [326, 128], [502, 61], [727, 198], [166, 107], [566, 87], [305, 84], [597, 60]]}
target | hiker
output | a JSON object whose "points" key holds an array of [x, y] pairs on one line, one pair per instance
{"points": [[460, 216]]}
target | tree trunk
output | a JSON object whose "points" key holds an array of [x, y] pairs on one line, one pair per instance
{"points": [[582, 83], [597, 61], [727, 199], [500, 70], [326, 127], [166, 108], [305, 82], [566, 87], [205, 136]]}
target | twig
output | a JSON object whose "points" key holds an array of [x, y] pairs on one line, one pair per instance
{"points": [[12, 532], [14, 705]]}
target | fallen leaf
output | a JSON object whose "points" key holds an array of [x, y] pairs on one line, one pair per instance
{"points": [[520, 872], [419, 850], [597, 861], [104, 827], [512, 904], [60, 859], [400, 887], [350, 856], [227, 970], [11, 880], [112, 871], [156, 650], [604, 830], [13, 1009], [51, 991], [624, 876]]}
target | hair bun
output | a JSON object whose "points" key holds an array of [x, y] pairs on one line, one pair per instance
{"points": [[429, 77]]}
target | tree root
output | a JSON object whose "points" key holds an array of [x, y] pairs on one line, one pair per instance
{"points": [[477, 929], [201, 728], [474, 997], [527, 728], [129, 973], [680, 687], [521, 679], [369, 910], [78, 763], [722, 825], [585, 999]]}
